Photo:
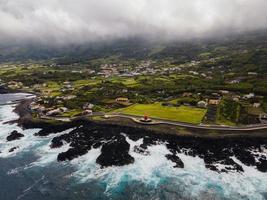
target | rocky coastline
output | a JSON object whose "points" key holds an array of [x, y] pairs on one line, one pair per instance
{"points": [[219, 153]]}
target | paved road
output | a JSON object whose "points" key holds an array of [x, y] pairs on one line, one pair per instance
{"points": [[203, 127], [156, 121]]}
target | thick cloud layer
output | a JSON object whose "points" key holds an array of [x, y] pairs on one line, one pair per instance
{"points": [[79, 21]]}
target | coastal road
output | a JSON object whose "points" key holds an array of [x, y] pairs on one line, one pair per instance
{"points": [[135, 118]]}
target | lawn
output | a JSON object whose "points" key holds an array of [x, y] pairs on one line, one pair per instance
{"points": [[156, 110], [71, 113], [128, 82], [80, 83]]}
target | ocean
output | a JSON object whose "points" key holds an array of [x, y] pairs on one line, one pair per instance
{"points": [[32, 172]]}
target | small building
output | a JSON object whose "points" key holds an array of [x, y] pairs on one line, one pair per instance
{"points": [[224, 92], [236, 81], [252, 73], [263, 116], [236, 99], [122, 100], [249, 96], [146, 119], [54, 112], [88, 106], [63, 109], [69, 97], [215, 94], [87, 112], [256, 105], [14, 85], [124, 91], [67, 83], [202, 104], [214, 101]]}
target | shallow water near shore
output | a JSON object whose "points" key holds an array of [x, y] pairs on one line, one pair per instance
{"points": [[32, 172], [11, 97]]}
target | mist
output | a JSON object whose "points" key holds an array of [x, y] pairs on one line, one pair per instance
{"points": [[61, 22]]}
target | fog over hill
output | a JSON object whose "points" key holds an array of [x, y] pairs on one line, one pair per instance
{"points": [[65, 22]]}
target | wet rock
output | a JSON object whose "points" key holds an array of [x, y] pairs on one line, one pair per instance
{"points": [[220, 161], [97, 145], [12, 149], [179, 163], [56, 128], [245, 157], [115, 153], [231, 165], [262, 165], [139, 149], [56, 143], [71, 154], [216, 152], [14, 135], [213, 168]]}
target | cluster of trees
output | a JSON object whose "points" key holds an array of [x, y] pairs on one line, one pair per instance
{"points": [[228, 110]]}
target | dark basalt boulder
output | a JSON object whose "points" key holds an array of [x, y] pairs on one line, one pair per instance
{"points": [[14, 135], [262, 165], [71, 154], [245, 157], [12, 149], [217, 153], [139, 149], [226, 166], [179, 163], [115, 153]]}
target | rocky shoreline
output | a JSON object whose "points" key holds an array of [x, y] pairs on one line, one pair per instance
{"points": [[219, 153]]}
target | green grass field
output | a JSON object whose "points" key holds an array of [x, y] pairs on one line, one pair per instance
{"points": [[80, 83], [156, 110], [128, 82]]}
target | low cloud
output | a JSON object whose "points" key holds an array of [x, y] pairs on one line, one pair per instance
{"points": [[59, 22]]}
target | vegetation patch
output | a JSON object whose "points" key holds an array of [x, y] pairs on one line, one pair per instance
{"points": [[228, 112], [181, 114]]}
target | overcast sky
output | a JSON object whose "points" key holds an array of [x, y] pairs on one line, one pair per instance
{"points": [[79, 21]]}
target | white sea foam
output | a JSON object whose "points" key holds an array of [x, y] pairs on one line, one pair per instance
{"points": [[195, 178], [24, 144], [38, 145], [47, 155]]}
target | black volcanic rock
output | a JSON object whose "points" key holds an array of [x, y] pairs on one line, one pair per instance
{"points": [[12, 149], [116, 153], [56, 128], [179, 163], [245, 156], [14, 135], [262, 165], [139, 149], [71, 154], [217, 152]]}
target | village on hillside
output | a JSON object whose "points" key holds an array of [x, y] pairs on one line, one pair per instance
{"points": [[185, 92]]}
